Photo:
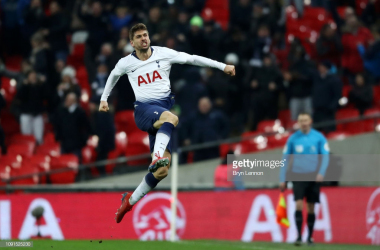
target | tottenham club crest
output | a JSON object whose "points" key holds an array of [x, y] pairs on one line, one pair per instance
{"points": [[373, 217], [152, 217]]}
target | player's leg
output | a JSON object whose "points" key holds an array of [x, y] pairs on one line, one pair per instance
{"points": [[150, 181], [299, 193], [312, 197], [165, 126]]}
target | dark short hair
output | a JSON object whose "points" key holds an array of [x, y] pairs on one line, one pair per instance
{"points": [[305, 113], [137, 27]]}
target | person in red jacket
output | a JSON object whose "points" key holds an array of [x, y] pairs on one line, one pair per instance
{"points": [[354, 34]]}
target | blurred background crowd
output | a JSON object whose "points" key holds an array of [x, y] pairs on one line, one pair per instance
{"points": [[295, 56]]}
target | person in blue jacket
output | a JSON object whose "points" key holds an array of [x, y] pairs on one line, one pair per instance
{"points": [[305, 146]]}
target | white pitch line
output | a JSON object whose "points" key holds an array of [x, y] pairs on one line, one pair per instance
{"points": [[221, 244]]}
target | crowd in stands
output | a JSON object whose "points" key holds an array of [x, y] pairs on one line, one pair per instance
{"points": [[277, 68]]}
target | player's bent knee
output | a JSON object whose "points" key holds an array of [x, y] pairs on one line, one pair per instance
{"points": [[169, 117], [161, 173]]}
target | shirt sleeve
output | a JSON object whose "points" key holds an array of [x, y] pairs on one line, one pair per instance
{"points": [[287, 152], [114, 76], [324, 150], [184, 58]]}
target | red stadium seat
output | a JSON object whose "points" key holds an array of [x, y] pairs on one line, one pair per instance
{"points": [[42, 162], [12, 160], [137, 149], [284, 116], [269, 126], [292, 125], [9, 123], [257, 143], [370, 124], [25, 149], [25, 169], [125, 121], [19, 138], [5, 173], [337, 135], [351, 127], [49, 138], [65, 161], [51, 149], [111, 155], [88, 154], [278, 140], [376, 96], [121, 141], [9, 88]]}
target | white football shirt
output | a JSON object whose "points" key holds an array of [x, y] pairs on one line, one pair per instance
{"points": [[150, 78]]}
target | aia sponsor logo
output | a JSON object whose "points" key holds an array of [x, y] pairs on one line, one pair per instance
{"points": [[147, 78], [373, 217], [152, 217]]}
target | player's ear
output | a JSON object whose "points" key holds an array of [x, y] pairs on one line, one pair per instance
{"points": [[132, 43]]}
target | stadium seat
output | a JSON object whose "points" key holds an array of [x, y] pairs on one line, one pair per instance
{"points": [[20, 138], [9, 88], [51, 149], [270, 126], [351, 127], [121, 141], [25, 149], [42, 162], [88, 154], [292, 125], [278, 140], [370, 124], [5, 173], [337, 135], [284, 116], [49, 138], [12, 160], [256, 143], [9, 123], [65, 161], [137, 149], [25, 169], [111, 156], [376, 96], [125, 121]]}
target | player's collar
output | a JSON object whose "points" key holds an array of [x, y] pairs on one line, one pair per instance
{"points": [[134, 53]]}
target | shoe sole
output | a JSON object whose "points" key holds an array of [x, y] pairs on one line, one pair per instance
{"points": [[160, 163]]}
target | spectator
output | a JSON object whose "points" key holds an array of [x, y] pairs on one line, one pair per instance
{"points": [[72, 127], [298, 82], [99, 83], [235, 41], [33, 16], [329, 46], [55, 30], [10, 25], [121, 18], [263, 92], [96, 23], [39, 57], [299, 7], [354, 34], [213, 35], [371, 56], [106, 56], [155, 23], [240, 14], [68, 84], [104, 127], [327, 90], [206, 125], [19, 76], [369, 15], [361, 94], [196, 38], [261, 46], [31, 97]]}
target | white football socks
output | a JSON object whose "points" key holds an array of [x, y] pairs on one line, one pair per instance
{"points": [[140, 192], [162, 141]]}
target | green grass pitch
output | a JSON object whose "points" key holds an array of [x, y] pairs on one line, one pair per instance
{"points": [[182, 245]]}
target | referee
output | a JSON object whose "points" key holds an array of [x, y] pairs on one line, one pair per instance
{"points": [[309, 150]]}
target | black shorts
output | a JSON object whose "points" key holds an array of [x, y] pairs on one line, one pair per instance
{"points": [[308, 189]]}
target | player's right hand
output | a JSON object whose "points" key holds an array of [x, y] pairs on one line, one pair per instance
{"points": [[282, 186], [230, 70], [103, 107]]}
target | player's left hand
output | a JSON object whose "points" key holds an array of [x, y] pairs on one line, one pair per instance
{"points": [[319, 178], [229, 70]]}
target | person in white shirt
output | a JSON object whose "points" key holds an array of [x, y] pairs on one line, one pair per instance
{"points": [[148, 69]]}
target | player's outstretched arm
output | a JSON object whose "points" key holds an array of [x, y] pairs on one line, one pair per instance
{"points": [[111, 82], [181, 58]]}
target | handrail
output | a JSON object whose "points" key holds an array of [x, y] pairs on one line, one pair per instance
{"points": [[186, 148]]}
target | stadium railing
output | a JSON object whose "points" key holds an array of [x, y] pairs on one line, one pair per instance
{"points": [[123, 160]]}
